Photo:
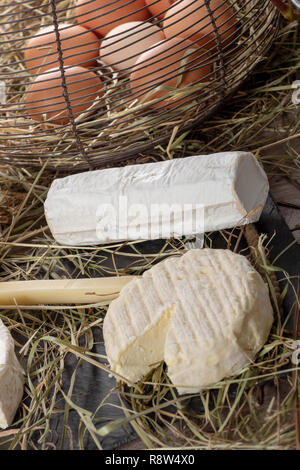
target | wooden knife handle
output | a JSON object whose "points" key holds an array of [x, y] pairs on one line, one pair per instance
{"points": [[62, 291]]}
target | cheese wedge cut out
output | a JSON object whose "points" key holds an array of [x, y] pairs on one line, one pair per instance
{"points": [[11, 378], [205, 313], [172, 198]]}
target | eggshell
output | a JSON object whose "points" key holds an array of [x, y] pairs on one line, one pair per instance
{"points": [[192, 21], [79, 47], [45, 98], [158, 8], [168, 64], [103, 15], [122, 46]]}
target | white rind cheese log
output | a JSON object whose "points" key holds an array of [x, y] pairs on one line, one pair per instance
{"points": [[11, 379], [206, 313], [184, 196]]}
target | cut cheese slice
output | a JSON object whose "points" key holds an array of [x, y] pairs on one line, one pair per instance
{"points": [[205, 313], [11, 378], [184, 196]]}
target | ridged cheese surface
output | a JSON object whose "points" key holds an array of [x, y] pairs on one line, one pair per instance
{"points": [[11, 378], [205, 313]]}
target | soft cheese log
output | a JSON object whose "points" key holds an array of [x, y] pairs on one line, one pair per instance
{"points": [[11, 378], [176, 197], [206, 313]]}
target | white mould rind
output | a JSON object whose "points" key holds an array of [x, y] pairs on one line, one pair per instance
{"points": [[11, 378], [203, 193], [205, 313]]}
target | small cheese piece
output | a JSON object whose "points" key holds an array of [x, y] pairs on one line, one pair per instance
{"points": [[206, 313], [184, 196], [11, 378]]}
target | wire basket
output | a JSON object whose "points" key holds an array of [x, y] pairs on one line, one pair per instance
{"points": [[92, 90]]}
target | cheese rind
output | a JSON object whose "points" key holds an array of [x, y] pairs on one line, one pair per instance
{"points": [[221, 316], [184, 196], [11, 378]]}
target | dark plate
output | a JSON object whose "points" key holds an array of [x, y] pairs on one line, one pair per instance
{"points": [[92, 384]]}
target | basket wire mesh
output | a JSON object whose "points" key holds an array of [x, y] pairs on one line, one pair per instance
{"points": [[124, 118]]}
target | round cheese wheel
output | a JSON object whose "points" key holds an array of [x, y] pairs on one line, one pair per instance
{"points": [[205, 313]]}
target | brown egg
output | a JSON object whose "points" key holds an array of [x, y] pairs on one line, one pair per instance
{"points": [[122, 46], [79, 47], [103, 15], [192, 21], [168, 64], [45, 100], [158, 8]]}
